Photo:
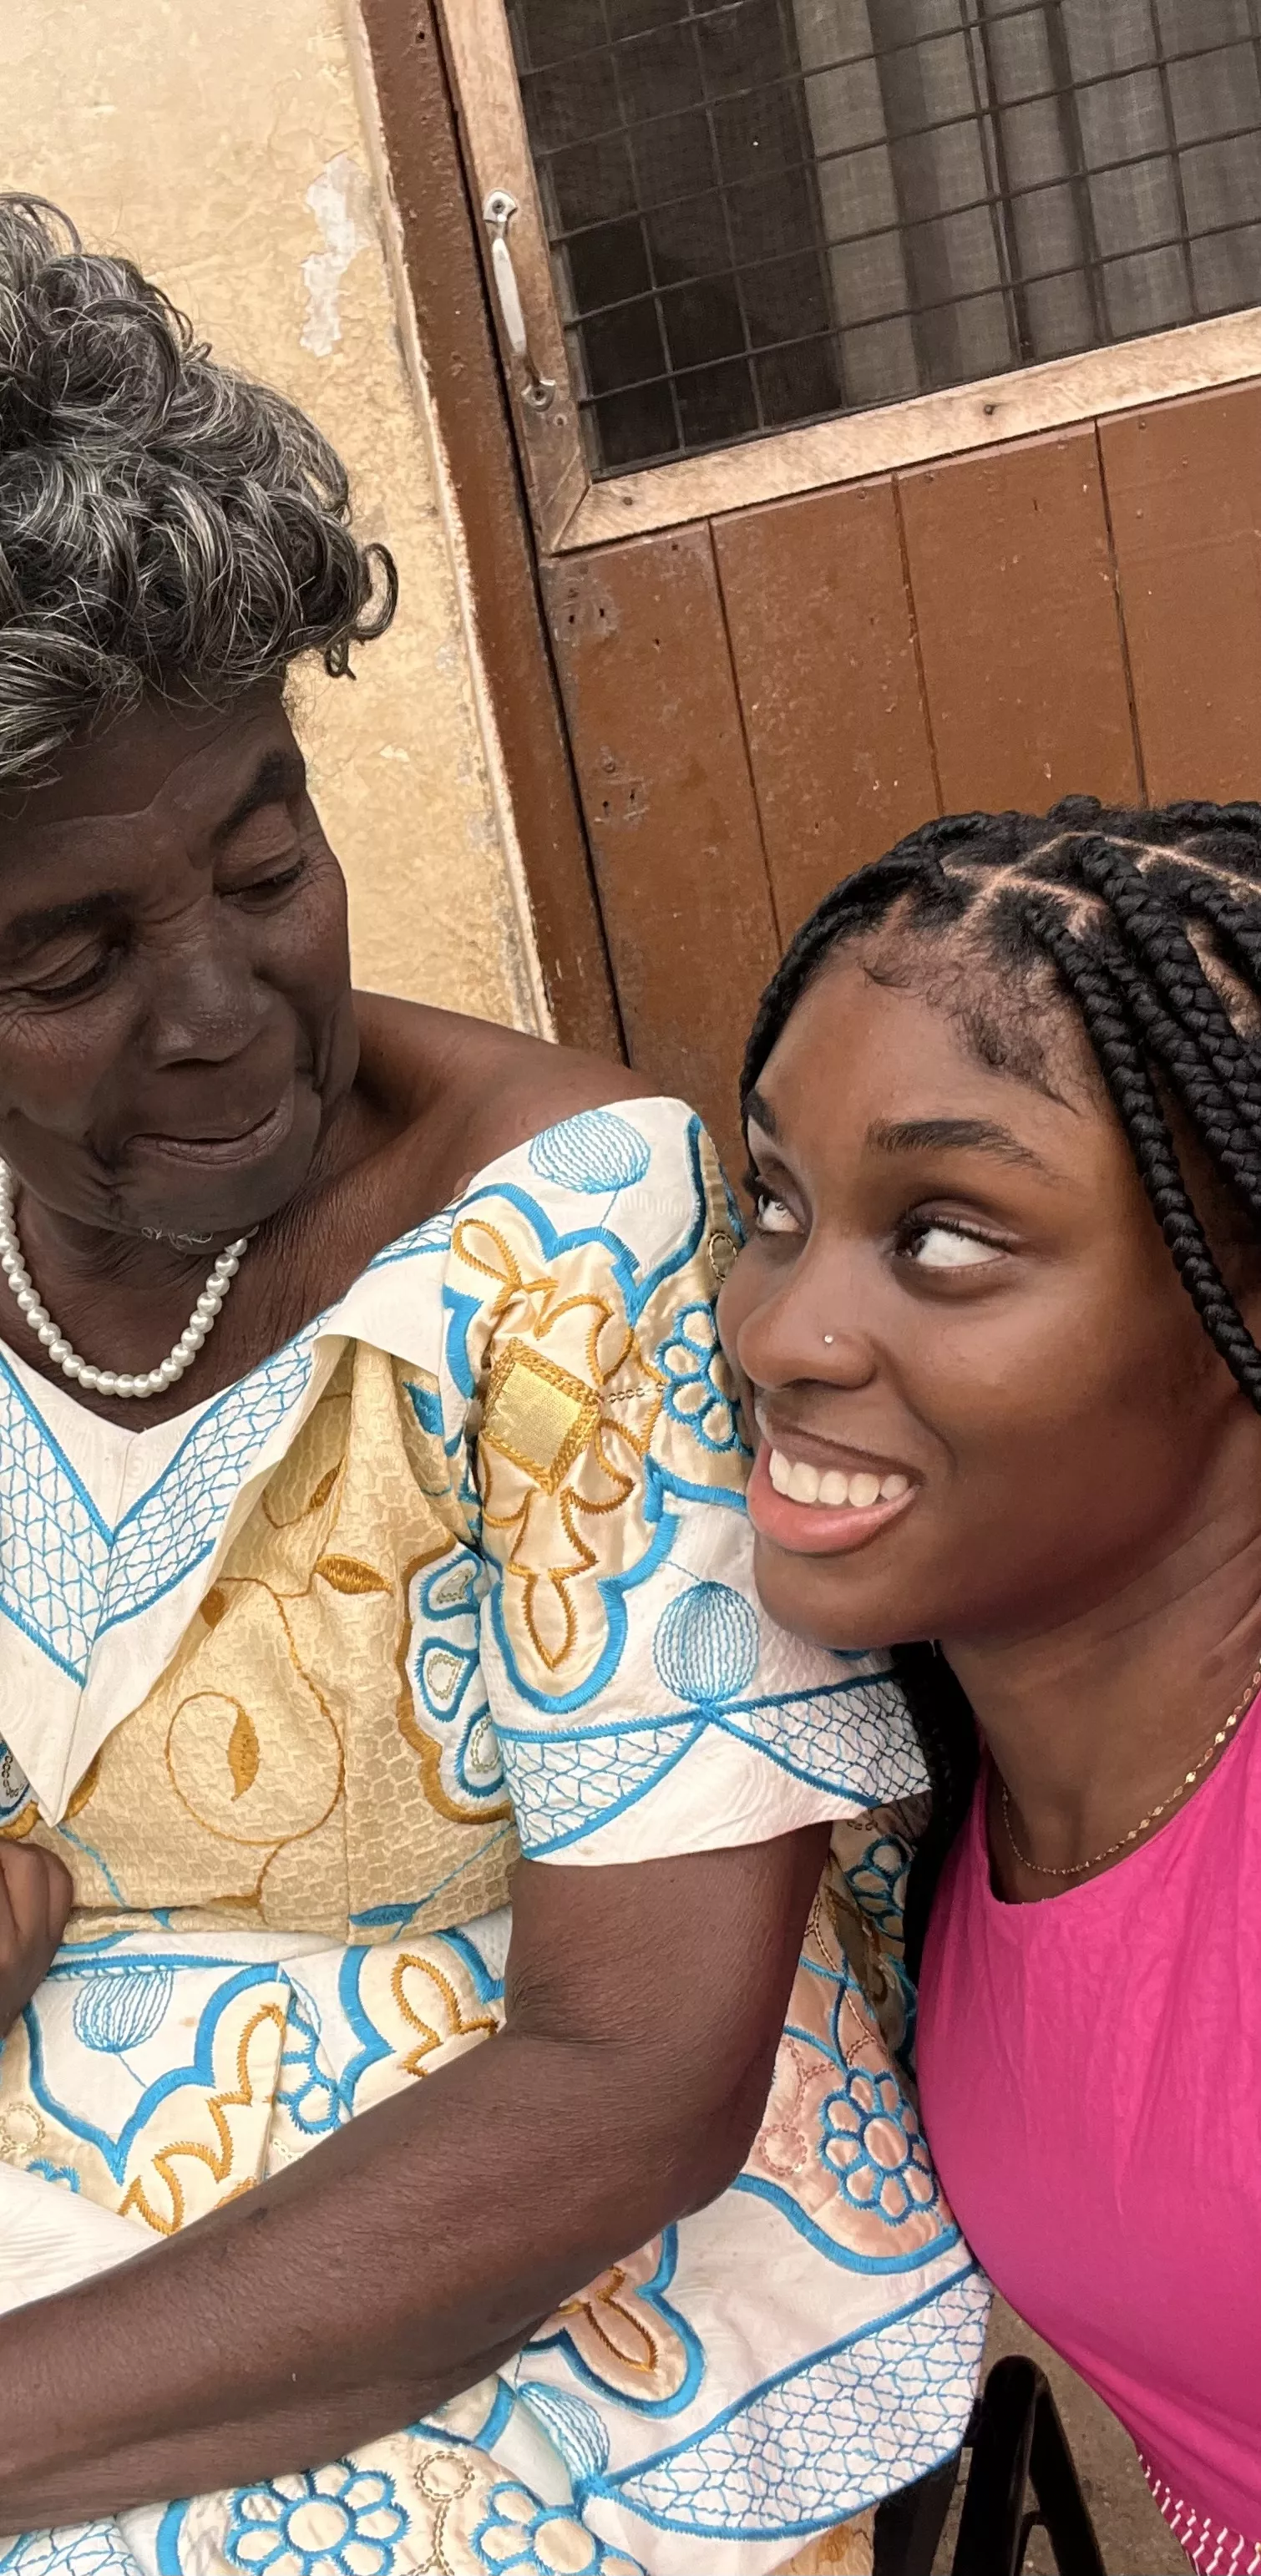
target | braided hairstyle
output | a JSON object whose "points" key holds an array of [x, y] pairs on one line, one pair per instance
{"points": [[1148, 922]]}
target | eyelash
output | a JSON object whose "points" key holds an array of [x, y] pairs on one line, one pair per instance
{"points": [[281, 883], [915, 1227], [80, 986], [912, 1230], [762, 1195]]}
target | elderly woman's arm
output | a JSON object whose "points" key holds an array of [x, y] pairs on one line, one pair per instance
{"points": [[405, 2257]]}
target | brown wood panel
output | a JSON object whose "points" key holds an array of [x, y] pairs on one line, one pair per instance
{"points": [[1184, 486], [641, 648], [825, 659], [444, 276], [1015, 602]]}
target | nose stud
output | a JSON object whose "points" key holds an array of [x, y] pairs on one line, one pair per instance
{"points": [[829, 1338]]}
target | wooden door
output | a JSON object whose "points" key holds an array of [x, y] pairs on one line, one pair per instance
{"points": [[855, 571]]}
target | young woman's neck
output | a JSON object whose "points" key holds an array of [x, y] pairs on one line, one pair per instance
{"points": [[1092, 1719]]}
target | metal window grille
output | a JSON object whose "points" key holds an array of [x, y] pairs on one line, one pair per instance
{"points": [[765, 212]]}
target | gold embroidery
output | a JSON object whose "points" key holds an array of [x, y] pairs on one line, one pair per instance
{"points": [[315, 1501], [218, 2161], [349, 1574], [425, 1746], [621, 2338], [443, 2481], [243, 1754], [636, 2348], [430, 2038], [538, 1415], [723, 1252]]}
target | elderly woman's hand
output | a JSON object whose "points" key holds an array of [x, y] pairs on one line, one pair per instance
{"points": [[35, 1900]]}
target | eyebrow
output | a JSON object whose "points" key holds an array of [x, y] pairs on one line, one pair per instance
{"points": [[279, 776], [759, 1113], [952, 1136], [32, 929]]}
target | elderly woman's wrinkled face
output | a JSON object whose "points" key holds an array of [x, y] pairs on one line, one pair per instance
{"points": [[176, 1026]]}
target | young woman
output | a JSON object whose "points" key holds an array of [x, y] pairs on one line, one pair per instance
{"points": [[997, 1328]]}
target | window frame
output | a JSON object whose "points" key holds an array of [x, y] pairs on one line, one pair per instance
{"points": [[572, 509]]}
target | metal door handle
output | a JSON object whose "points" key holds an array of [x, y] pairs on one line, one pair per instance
{"points": [[538, 391]]}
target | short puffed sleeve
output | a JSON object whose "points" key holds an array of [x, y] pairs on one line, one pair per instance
{"points": [[644, 1703]]}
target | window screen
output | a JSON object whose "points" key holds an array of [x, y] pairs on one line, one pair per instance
{"points": [[772, 211]]}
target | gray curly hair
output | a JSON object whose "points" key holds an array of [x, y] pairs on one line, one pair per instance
{"points": [[165, 525]]}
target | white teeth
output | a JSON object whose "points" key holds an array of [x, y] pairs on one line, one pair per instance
{"points": [[833, 1491]]}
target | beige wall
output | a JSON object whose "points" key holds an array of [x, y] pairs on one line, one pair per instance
{"points": [[219, 142]]}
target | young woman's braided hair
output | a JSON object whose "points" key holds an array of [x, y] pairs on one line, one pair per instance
{"points": [[1149, 923]]}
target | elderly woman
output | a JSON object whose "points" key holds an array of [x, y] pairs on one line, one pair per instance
{"points": [[372, 1512]]}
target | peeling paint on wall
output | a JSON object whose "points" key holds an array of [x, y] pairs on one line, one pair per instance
{"points": [[341, 203]]}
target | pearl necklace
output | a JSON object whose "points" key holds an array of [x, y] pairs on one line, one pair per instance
{"points": [[111, 1381]]}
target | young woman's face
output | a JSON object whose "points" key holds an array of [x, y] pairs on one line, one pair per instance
{"points": [[981, 1398]]}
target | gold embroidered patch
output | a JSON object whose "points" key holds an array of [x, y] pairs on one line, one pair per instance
{"points": [[538, 1415]]}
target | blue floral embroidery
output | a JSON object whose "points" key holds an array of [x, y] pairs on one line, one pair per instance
{"points": [[339, 2521], [877, 1883], [698, 1389], [707, 1644], [446, 1677], [309, 2093], [580, 2434], [531, 2539], [875, 2146], [119, 2008], [594, 1152], [49, 2172]]}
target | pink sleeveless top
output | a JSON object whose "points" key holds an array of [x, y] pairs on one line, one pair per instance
{"points": [[1090, 2071]]}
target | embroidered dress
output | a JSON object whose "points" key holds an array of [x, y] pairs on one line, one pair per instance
{"points": [[464, 1569]]}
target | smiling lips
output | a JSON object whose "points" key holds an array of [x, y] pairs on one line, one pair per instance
{"points": [[241, 1145], [823, 1511]]}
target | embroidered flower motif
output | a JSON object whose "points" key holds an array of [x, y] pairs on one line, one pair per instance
{"points": [[595, 1152], [542, 2540], [706, 1645], [567, 1422], [339, 2521], [307, 2090], [874, 2143], [699, 1391], [119, 2008], [623, 2334], [877, 1883], [452, 1728]]}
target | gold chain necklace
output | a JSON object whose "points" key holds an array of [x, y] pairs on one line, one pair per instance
{"points": [[1187, 1781]]}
